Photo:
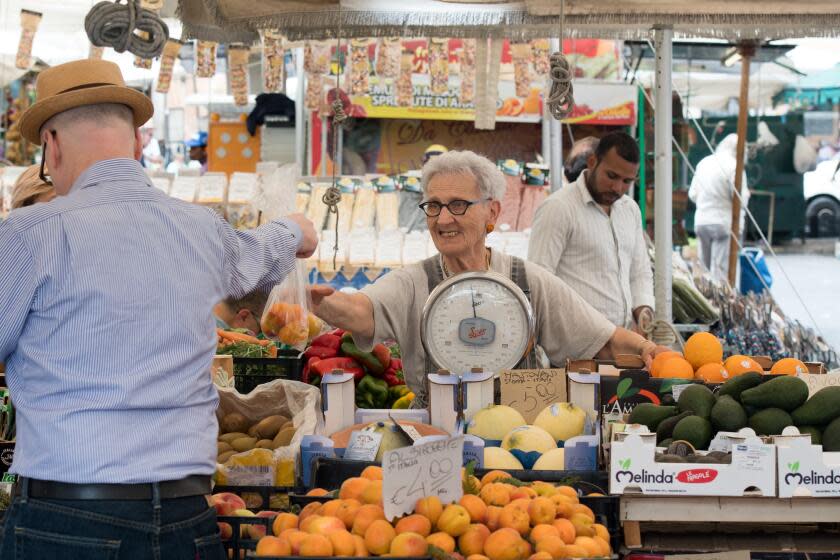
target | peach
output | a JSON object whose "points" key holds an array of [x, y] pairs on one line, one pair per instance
{"points": [[495, 494], [541, 510], [408, 545], [414, 523], [366, 515], [565, 529], [273, 546], [442, 541], [225, 530], [372, 494], [378, 537], [472, 541], [504, 545], [329, 508], [493, 514], [514, 518], [347, 511], [284, 521], [353, 488], [361, 550], [542, 531], [315, 545], [294, 537], [475, 506], [430, 508], [523, 492], [342, 543], [454, 520], [372, 472], [552, 545], [494, 476], [257, 532], [226, 503]]}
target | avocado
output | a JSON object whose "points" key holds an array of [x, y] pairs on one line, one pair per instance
{"points": [[728, 415], [666, 427], [651, 415], [695, 430], [816, 434], [698, 399], [770, 421], [820, 409], [737, 385], [831, 436], [785, 392]]}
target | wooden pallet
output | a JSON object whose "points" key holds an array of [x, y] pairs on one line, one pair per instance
{"points": [[709, 524]]}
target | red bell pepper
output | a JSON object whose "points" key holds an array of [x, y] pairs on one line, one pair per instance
{"points": [[327, 340], [392, 379], [320, 352], [307, 375], [347, 365], [382, 355], [395, 364]]}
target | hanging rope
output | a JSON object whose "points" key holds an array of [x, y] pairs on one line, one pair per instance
{"points": [[111, 24], [561, 99], [332, 197]]}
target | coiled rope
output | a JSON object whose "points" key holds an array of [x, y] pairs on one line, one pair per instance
{"points": [[561, 99], [332, 197], [111, 24]]}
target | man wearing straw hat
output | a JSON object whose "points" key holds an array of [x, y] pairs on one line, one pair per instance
{"points": [[106, 295]]}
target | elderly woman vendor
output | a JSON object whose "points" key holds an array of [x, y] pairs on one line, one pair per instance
{"points": [[462, 193]]}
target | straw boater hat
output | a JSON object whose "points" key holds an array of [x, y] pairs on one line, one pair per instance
{"points": [[74, 84]]}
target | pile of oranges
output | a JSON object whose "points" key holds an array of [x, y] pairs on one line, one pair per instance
{"points": [[539, 521], [703, 360]]}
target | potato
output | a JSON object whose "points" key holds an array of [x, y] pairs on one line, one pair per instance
{"points": [[222, 447], [268, 427], [289, 424], [265, 444], [284, 437], [228, 438], [234, 422], [244, 444], [223, 457]]}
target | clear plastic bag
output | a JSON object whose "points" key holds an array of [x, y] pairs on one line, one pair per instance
{"points": [[287, 317]]}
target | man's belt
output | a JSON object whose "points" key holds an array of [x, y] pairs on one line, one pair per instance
{"points": [[195, 485]]}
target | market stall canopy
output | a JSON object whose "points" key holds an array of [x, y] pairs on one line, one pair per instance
{"points": [[225, 20], [819, 88]]}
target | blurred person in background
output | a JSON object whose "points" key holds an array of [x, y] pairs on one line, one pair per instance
{"points": [[578, 158], [29, 189], [152, 157], [198, 151]]}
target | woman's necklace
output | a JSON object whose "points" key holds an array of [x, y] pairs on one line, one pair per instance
{"points": [[446, 270]]}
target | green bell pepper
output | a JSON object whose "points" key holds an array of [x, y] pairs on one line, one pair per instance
{"points": [[372, 391]]}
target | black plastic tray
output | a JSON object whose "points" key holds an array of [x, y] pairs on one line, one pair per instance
{"points": [[250, 372], [264, 492], [236, 544]]}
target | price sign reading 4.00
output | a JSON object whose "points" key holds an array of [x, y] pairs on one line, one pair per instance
{"points": [[429, 469]]}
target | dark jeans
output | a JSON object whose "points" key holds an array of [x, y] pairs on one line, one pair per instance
{"points": [[178, 529]]}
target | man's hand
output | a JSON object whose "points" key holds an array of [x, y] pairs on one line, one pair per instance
{"points": [[650, 350], [318, 292], [310, 237]]}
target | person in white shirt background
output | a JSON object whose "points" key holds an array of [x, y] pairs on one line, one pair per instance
{"points": [[711, 191], [590, 235], [152, 157]]}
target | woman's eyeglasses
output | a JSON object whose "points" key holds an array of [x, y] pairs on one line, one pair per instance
{"points": [[42, 173], [456, 207]]}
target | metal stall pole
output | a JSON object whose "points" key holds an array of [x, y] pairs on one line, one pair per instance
{"points": [[556, 135], [663, 221], [300, 115]]}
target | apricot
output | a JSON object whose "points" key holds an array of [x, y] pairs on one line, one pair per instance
{"points": [[372, 472], [415, 523], [493, 515], [495, 494], [552, 545], [317, 492], [372, 494], [273, 546], [565, 529], [353, 488], [408, 545], [315, 545], [378, 537], [443, 541], [347, 512], [342, 543], [366, 515], [472, 541], [475, 506], [430, 508], [494, 476], [361, 550], [504, 545], [454, 520], [514, 518], [284, 521], [542, 531], [294, 538]]}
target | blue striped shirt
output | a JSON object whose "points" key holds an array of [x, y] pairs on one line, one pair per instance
{"points": [[107, 330]]}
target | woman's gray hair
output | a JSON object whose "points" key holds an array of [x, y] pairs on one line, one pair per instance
{"points": [[490, 180]]}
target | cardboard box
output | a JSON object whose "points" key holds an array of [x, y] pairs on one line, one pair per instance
{"points": [[634, 469], [804, 469]]}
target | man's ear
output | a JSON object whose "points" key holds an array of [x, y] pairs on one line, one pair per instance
{"points": [[243, 314], [592, 162], [138, 144]]}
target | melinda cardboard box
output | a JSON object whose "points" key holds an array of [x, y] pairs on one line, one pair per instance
{"points": [[635, 470], [804, 470]]}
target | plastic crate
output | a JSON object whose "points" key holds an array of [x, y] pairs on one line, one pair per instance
{"points": [[265, 493], [237, 544], [250, 372], [329, 472]]}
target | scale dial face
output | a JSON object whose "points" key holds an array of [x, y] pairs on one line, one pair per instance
{"points": [[477, 320]]}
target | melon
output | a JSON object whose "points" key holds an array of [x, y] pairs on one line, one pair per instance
{"points": [[554, 460], [529, 438], [498, 458], [562, 420], [392, 437], [493, 422]]}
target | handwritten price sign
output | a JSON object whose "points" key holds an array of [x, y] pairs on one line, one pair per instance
{"points": [[430, 469], [531, 390]]}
